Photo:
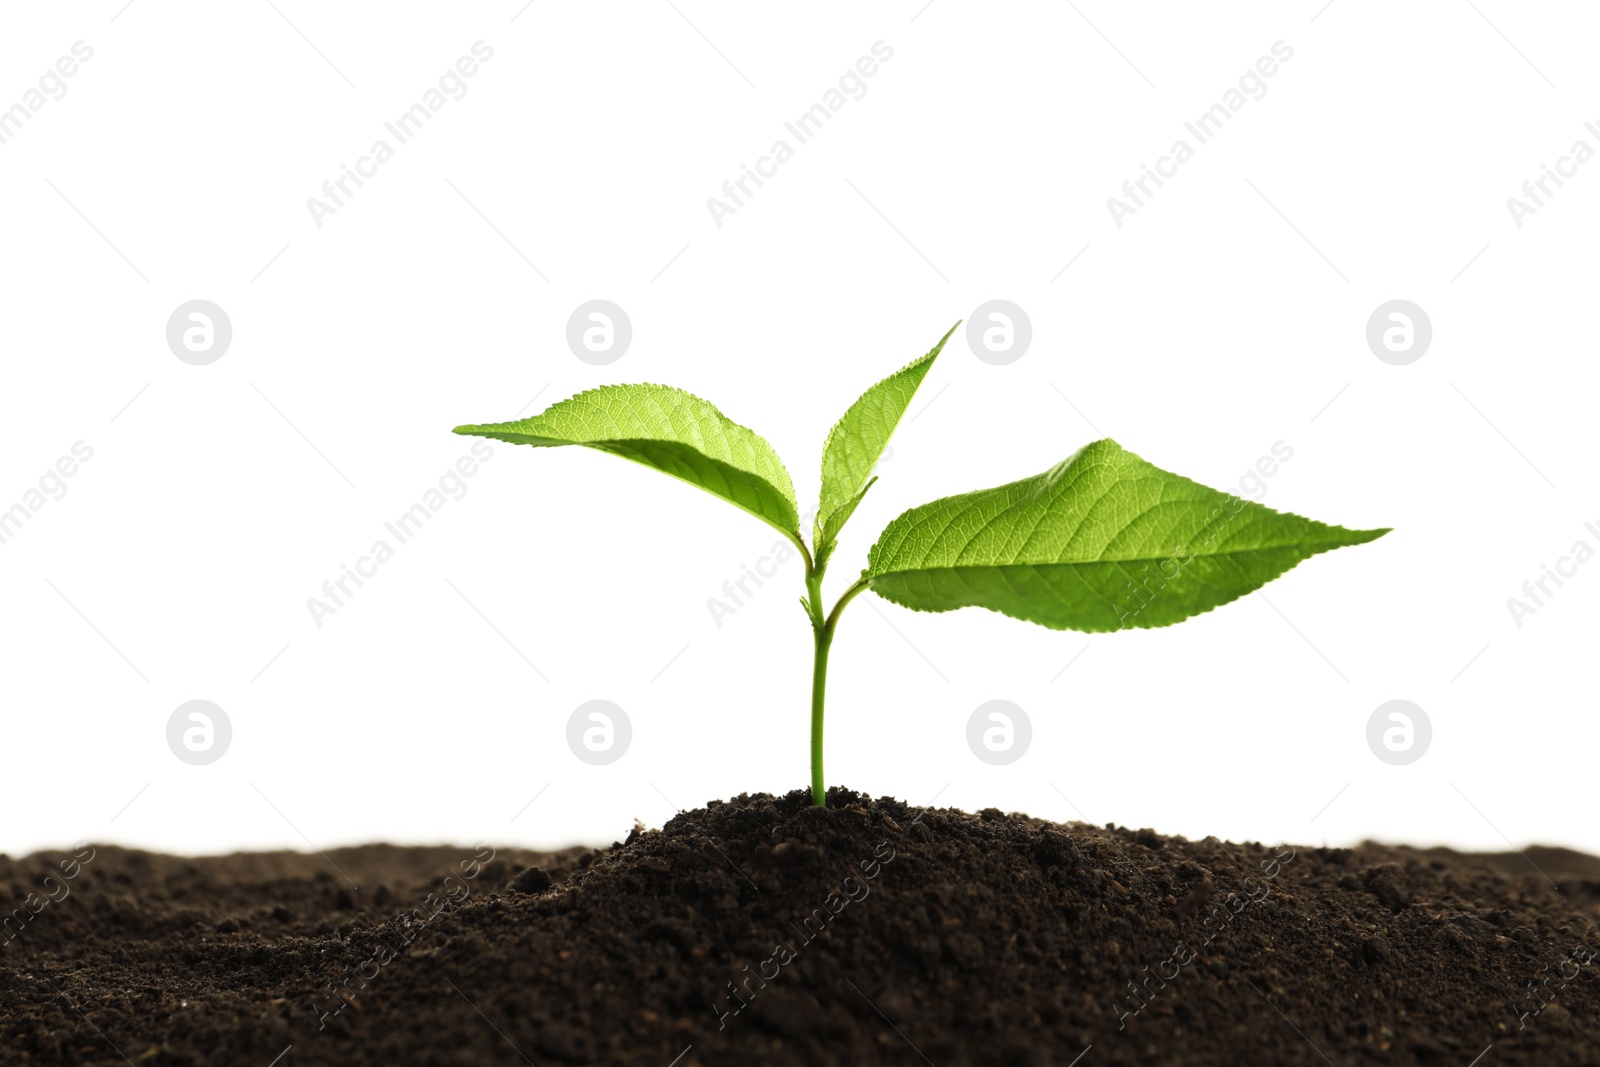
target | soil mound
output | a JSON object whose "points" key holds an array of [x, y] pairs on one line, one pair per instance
{"points": [[764, 930]]}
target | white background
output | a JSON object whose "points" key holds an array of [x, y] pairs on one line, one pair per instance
{"points": [[1228, 314]]}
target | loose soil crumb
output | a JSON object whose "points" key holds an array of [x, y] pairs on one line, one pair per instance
{"points": [[762, 930]]}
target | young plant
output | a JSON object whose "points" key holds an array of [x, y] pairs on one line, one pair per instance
{"points": [[1102, 541]]}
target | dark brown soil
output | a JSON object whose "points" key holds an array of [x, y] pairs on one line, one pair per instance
{"points": [[945, 938]]}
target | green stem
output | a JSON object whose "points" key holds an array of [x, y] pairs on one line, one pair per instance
{"points": [[819, 684], [805, 554], [822, 630]]}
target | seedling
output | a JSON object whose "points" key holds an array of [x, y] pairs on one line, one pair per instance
{"points": [[1102, 541]]}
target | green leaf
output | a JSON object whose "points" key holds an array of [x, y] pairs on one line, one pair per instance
{"points": [[1102, 541], [672, 431], [856, 443]]}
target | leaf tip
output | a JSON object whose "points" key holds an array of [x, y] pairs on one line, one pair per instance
{"points": [[1102, 445], [473, 429], [938, 348]]}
